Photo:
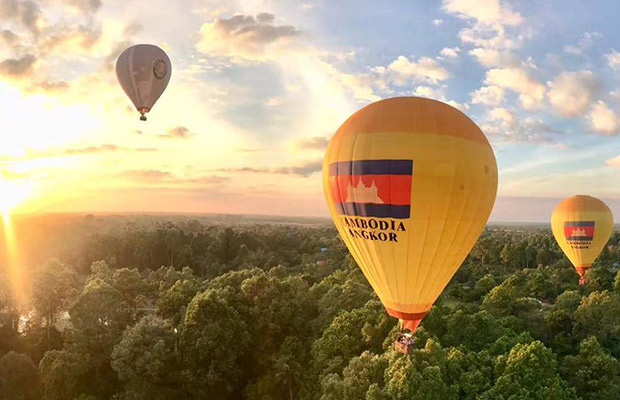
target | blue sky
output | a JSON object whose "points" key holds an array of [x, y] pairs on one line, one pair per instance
{"points": [[259, 86]]}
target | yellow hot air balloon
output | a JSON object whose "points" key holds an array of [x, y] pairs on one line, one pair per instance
{"points": [[582, 226], [410, 183]]}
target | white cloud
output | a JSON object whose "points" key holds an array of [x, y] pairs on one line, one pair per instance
{"points": [[438, 93], [613, 59], [531, 91], [450, 52], [490, 23], [437, 22], [495, 58], [429, 92], [246, 37], [403, 71], [586, 41], [486, 12], [603, 119], [613, 162], [504, 125], [503, 114], [488, 95], [571, 93]]}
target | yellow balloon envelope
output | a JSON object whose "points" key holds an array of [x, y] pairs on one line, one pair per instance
{"points": [[410, 184], [582, 226]]}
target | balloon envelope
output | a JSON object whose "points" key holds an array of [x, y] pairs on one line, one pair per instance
{"points": [[410, 184], [143, 72], [582, 225]]}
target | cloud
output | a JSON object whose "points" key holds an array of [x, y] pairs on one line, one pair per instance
{"points": [[586, 41], [208, 179], [485, 12], [438, 94], [53, 86], [505, 126], [86, 6], [531, 91], [70, 40], [613, 59], [438, 22], [488, 95], [27, 12], [495, 58], [613, 162], [304, 170], [571, 93], [450, 52], [17, 67], [246, 37], [8, 38], [489, 21], [180, 132], [315, 143], [603, 119], [146, 175], [159, 176], [74, 151], [403, 71]]}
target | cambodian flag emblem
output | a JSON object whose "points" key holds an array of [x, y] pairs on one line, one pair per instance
{"points": [[372, 188], [579, 230]]}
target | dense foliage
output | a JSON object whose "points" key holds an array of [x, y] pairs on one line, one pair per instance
{"points": [[188, 309]]}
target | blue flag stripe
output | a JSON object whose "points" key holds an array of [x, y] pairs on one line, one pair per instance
{"points": [[579, 223], [372, 167], [374, 210]]}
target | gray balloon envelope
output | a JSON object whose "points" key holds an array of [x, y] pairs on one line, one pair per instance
{"points": [[143, 71]]}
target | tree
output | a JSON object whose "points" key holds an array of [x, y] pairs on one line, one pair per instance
{"points": [[146, 360], [593, 373], [475, 331], [349, 334], [51, 290], [19, 378], [64, 374], [421, 376], [99, 316], [471, 373], [217, 340], [599, 316], [172, 303], [617, 282], [543, 257], [9, 316], [599, 278], [568, 301], [362, 373], [501, 299], [530, 371]]}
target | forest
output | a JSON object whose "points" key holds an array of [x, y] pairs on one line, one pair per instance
{"points": [[196, 308]]}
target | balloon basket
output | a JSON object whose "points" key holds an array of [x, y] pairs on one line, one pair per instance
{"points": [[404, 343]]}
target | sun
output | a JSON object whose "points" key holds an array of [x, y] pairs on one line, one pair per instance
{"points": [[12, 193]]}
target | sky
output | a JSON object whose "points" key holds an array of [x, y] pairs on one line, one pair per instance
{"points": [[258, 87]]}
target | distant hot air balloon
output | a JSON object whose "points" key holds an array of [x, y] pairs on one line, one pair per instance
{"points": [[410, 184], [582, 226], [143, 71]]}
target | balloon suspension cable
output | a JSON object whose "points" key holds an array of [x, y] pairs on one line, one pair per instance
{"points": [[582, 271], [142, 111], [410, 325]]}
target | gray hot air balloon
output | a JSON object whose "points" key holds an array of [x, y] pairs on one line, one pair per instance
{"points": [[143, 71]]}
